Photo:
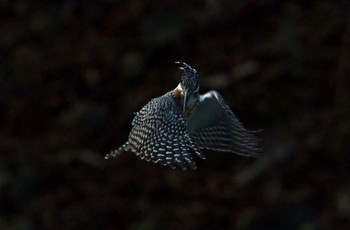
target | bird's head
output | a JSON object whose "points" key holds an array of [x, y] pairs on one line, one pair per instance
{"points": [[189, 82]]}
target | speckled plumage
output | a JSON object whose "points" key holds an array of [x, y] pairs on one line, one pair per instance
{"points": [[159, 134], [168, 128]]}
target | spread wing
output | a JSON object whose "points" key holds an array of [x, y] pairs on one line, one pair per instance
{"points": [[159, 135], [214, 126]]}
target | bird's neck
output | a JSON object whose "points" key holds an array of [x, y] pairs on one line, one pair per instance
{"points": [[176, 93], [192, 101]]}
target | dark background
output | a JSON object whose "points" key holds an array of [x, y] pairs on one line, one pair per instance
{"points": [[73, 73]]}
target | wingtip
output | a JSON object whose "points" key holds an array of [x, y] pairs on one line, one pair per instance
{"points": [[110, 155], [115, 153], [257, 131]]}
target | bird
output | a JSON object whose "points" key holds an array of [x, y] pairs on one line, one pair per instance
{"points": [[170, 128]]}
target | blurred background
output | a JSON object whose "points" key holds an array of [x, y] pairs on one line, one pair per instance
{"points": [[73, 73]]}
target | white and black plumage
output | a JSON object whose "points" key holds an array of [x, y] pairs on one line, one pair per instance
{"points": [[170, 127]]}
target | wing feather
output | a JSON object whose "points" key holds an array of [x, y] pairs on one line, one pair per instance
{"points": [[215, 127], [159, 134]]}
